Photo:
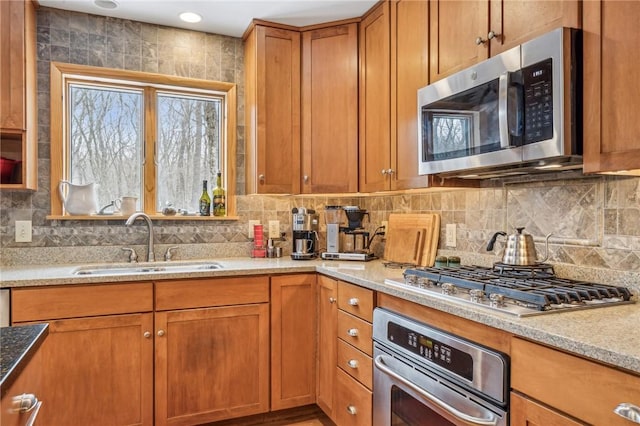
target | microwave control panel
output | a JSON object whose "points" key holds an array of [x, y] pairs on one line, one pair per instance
{"points": [[538, 102]]}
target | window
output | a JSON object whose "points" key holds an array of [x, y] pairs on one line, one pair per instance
{"points": [[144, 135]]}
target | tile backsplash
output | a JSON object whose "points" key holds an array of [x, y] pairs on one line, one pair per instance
{"points": [[594, 220]]}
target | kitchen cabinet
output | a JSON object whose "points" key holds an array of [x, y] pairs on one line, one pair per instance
{"points": [[611, 98], [588, 391], [272, 110], [485, 28], [330, 109], [327, 343], [97, 361], [293, 340], [28, 382], [211, 349], [18, 103], [374, 161]]}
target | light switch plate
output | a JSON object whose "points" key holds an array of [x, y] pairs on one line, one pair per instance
{"points": [[251, 223], [23, 231], [451, 235]]}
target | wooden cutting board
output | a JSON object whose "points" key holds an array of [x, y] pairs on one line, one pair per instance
{"points": [[412, 238]]}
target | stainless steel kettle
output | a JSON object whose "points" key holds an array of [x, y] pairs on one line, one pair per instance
{"points": [[520, 249]]}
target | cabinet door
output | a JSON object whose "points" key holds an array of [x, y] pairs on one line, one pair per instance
{"points": [[525, 412], [409, 72], [29, 381], [327, 342], [514, 22], [375, 101], [293, 341], [98, 371], [211, 364], [455, 26], [12, 73], [272, 104], [611, 91], [330, 109]]}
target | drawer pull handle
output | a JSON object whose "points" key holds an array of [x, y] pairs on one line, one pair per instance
{"points": [[354, 301], [160, 333], [353, 332], [628, 411], [147, 334], [352, 410], [352, 363], [24, 403], [332, 300]]}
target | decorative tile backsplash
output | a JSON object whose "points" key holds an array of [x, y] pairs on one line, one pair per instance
{"points": [[594, 221]]}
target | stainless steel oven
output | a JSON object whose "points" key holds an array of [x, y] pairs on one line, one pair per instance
{"points": [[424, 376]]}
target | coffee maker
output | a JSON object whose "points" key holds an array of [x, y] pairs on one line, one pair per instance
{"points": [[305, 234], [349, 242]]}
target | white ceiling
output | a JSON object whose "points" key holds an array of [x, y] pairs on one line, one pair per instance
{"points": [[227, 17]]}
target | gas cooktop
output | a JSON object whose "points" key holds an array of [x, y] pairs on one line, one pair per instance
{"points": [[517, 290]]}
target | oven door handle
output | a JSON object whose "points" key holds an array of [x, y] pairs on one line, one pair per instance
{"points": [[491, 421]]}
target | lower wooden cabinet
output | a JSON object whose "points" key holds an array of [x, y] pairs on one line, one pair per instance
{"points": [[525, 412], [29, 381], [327, 343], [293, 341], [353, 401]]}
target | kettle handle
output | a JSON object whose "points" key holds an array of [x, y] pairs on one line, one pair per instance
{"points": [[493, 239], [61, 190]]}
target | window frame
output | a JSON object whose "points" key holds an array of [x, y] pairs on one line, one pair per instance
{"points": [[62, 74]]}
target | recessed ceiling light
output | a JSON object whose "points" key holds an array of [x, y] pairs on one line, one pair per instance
{"points": [[190, 17], [106, 4]]}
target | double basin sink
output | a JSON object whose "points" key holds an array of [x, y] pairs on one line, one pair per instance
{"points": [[147, 268]]}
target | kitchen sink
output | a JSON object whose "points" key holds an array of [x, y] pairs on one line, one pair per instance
{"points": [[148, 268]]}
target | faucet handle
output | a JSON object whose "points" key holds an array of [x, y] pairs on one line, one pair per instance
{"points": [[133, 256], [168, 255]]}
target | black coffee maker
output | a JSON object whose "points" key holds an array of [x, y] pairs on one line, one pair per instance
{"points": [[305, 234]]}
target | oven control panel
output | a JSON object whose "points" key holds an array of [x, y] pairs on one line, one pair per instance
{"points": [[432, 350]]}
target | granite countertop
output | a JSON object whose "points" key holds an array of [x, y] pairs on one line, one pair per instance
{"points": [[610, 335], [17, 346]]}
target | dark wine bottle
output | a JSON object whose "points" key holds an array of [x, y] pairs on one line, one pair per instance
{"points": [[205, 201]]}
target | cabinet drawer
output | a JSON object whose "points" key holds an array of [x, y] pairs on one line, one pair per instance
{"points": [[46, 303], [353, 402], [356, 300], [357, 364], [355, 331], [587, 390], [201, 293]]}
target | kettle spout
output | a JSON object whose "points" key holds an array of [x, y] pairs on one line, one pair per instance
{"points": [[493, 239]]}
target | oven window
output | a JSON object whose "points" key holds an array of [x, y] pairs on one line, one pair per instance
{"points": [[406, 410]]}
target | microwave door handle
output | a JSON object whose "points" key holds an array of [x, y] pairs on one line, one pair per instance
{"points": [[503, 111], [491, 421]]}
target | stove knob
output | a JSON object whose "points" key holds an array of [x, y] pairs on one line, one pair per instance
{"points": [[410, 279], [496, 300], [448, 289], [423, 282], [476, 295]]}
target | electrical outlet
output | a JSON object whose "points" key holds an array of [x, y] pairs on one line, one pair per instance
{"points": [[451, 235], [251, 223], [23, 231], [274, 229]]}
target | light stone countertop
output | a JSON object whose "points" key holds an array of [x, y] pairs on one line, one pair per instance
{"points": [[610, 335]]}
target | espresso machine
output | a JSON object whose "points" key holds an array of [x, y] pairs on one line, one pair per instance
{"points": [[350, 242], [305, 234]]}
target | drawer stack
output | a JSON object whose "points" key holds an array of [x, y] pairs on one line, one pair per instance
{"points": [[354, 381]]}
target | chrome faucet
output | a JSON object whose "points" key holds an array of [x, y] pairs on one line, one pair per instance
{"points": [[150, 254]]}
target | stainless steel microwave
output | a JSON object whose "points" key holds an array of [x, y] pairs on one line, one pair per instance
{"points": [[515, 113]]}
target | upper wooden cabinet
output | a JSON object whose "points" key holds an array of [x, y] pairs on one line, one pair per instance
{"points": [[18, 105], [466, 32], [611, 97], [330, 109], [272, 110]]}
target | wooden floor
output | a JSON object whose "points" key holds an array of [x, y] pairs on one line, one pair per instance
{"points": [[309, 415]]}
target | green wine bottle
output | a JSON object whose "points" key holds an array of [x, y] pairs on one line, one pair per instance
{"points": [[219, 198], [205, 201]]}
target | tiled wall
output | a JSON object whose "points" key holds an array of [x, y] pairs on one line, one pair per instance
{"points": [[594, 221]]}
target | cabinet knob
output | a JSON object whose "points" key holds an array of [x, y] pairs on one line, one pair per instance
{"points": [[492, 35], [147, 334], [353, 332], [352, 410], [160, 333], [383, 171], [261, 178], [390, 171], [354, 301], [332, 300], [480, 41], [628, 411], [306, 179], [352, 363], [24, 403]]}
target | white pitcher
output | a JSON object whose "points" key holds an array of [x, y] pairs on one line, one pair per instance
{"points": [[79, 199]]}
